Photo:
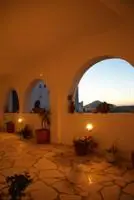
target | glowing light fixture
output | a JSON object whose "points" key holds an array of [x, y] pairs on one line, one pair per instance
{"points": [[41, 75], [20, 120], [89, 127]]}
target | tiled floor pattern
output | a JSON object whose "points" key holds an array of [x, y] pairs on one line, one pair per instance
{"points": [[60, 175]]}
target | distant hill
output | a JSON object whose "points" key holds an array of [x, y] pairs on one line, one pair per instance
{"points": [[113, 108], [92, 105], [124, 109]]}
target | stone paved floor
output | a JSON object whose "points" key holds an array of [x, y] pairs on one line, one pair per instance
{"points": [[59, 175]]}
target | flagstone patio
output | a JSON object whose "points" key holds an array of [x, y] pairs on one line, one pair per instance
{"points": [[60, 175]]}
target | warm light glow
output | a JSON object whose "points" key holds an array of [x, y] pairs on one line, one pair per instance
{"points": [[89, 127], [20, 120], [41, 75], [90, 180]]}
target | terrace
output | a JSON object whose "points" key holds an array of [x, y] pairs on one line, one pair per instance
{"points": [[58, 174], [55, 43]]}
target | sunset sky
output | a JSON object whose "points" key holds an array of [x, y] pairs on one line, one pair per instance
{"points": [[110, 80]]}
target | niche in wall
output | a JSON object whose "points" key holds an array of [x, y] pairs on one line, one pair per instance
{"points": [[36, 96], [12, 102]]}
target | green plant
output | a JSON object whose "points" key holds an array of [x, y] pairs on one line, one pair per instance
{"points": [[112, 149], [45, 118], [111, 154], [85, 144], [26, 132], [44, 115], [17, 185]]}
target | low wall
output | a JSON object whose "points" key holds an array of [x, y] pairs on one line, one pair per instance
{"points": [[108, 128], [31, 119]]}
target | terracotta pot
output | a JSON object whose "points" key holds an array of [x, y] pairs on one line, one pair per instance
{"points": [[42, 136], [81, 148], [111, 158], [10, 127]]}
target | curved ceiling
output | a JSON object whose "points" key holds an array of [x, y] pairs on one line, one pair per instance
{"points": [[33, 29]]}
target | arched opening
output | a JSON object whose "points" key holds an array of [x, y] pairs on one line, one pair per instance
{"points": [[36, 96], [12, 102], [105, 86], [37, 102]]}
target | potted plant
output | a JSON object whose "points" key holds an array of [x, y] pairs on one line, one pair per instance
{"points": [[26, 132], [10, 127], [111, 154], [17, 185], [71, 105], [43, 134], [84, 145]]}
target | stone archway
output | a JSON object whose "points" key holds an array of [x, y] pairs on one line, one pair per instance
{"points": [[83, 69], [73, 93]]}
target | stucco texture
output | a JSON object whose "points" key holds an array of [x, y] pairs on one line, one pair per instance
{"points": [[60, 40]]}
